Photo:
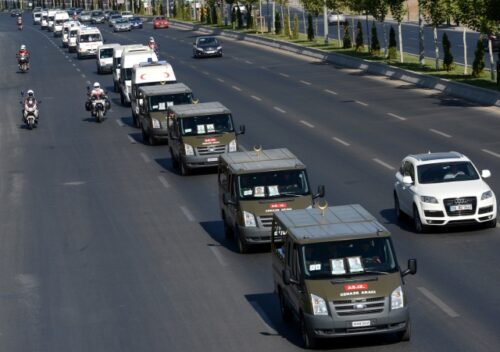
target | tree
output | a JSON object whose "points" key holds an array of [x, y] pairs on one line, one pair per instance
{"points": [[359, 37], [435, 14], [233, 17], [347, 42], [393, 51], [378, 9], [375, 47], [287, 25], [295, 32], [448, 57], [398, 11], [310, 28], [478, 64], [277, 23], [239, 17]]}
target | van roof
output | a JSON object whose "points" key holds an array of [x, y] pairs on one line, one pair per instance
{"points": [[199, 109], [132, 57], [174, 88], [342, 222], [262, 161], [89, 30], [108, 46], [119, 50]]}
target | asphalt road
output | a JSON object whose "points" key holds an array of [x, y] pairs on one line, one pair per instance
{"points": [[105, 248]]}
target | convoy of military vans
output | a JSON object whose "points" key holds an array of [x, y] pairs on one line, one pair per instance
{"points": [[335, 269]]}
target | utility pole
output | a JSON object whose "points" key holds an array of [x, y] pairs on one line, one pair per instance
{"points": [[325, 22], [421, 53]]}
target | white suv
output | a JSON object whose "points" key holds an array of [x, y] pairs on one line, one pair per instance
{"points": [[438, 189]]}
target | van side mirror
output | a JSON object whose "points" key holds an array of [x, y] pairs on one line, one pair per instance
{"points": [[321, 192], [287, 277], [407, 180], [485, 173], [242, 129], [412, 267], [227, 200]]}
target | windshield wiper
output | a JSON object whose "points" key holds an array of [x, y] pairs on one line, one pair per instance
{"points": [[289, 194]]}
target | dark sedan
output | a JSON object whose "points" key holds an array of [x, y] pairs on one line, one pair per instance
{"points": [[135, 22], [207, 46]]}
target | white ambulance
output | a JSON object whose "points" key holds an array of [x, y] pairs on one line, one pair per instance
{"points": [[87, 41]]}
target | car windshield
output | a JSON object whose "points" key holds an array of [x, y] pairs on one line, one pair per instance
{"points": [[273, 184], [135, 19], [106, 53], [114, 17], [88, 38], [122, 20], [447, 172], [159, 18], [161, 102], [208, 41], [348, 258], [206, 124], [97, 13]]}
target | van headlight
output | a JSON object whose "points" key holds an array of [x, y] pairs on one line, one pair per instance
{"points": [[428, 199], [188, 149], [219, 48], [156, 123], [249, 219], [486, 195], [397, 300], [318, 305], [233, 146]]}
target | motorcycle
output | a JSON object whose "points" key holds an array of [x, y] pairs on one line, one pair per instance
{"points": [[30, 112], [23, 63], [19, 24], [98, 107], [155, 49]]}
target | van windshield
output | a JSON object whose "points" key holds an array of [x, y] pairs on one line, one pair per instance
{"points": [[206, 124], [88, 38], [273, 184], [73, 34], [106, 53], [348, 258], [161, 102]]}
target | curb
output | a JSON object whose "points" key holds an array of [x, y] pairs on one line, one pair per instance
{"points": [[455, 89]]}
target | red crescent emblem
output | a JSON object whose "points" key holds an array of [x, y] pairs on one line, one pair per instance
{"points": [[142, 76]]}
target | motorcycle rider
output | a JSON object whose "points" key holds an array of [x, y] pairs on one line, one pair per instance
{"points": [[19, 22], [23, 52], [30, 101], [152, 45], [96, 93]]}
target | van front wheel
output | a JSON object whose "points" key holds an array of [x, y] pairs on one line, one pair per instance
{"points": [[242, 246], [310, 342], [405, 335], [286, 313]]}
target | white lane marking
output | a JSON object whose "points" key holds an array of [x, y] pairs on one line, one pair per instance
{"points": [[145, 158], [306, 83], [66, 56], [70, 60], [88, 82], [330, 91], [491, 153], [187, 213], [396, 116], [384, 164], [256, 98], [131, 139], [340, 141], [218, 255], [220, 80], [164, 181], [83, 75], [119, 122], [192, 66], [74, 65], [310, 125], [74, 183], [284, 75], [78, 69], [237, 88], [206, 73], [248, 62], [440, 133], [264, 318], [361, 103], [278, 109], [438, 302]]}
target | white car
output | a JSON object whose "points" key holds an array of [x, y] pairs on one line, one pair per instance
{"points": [[443, 189], [336, 17], [127, 14]]}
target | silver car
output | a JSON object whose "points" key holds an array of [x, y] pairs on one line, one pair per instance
{"points": [[122, 25]]}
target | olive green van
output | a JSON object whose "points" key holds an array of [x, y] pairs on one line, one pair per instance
{"points": [[255, 184], [199, 133], [154, 102], [335, 270]]}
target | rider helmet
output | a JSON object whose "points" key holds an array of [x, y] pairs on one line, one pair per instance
{"points": [[151, 39], [23, 47], [97, 85], [30, 93]]}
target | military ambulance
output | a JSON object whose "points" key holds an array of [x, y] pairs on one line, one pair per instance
{"points": [[335, 270], [255, 184], [199, 133], [154, 102]]}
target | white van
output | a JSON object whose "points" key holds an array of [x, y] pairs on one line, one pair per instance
{"points": [[117, 59], [44, 22], [129, 59], [37, 17], [87, 41], [148, 74], [59, 18], [104, 59], [72, 35], [65, 32], [50, 20]]}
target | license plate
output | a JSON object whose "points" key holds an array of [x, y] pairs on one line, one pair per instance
{"points": [[212, 159], [461, 207], [210, 52], [361, 323]]}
